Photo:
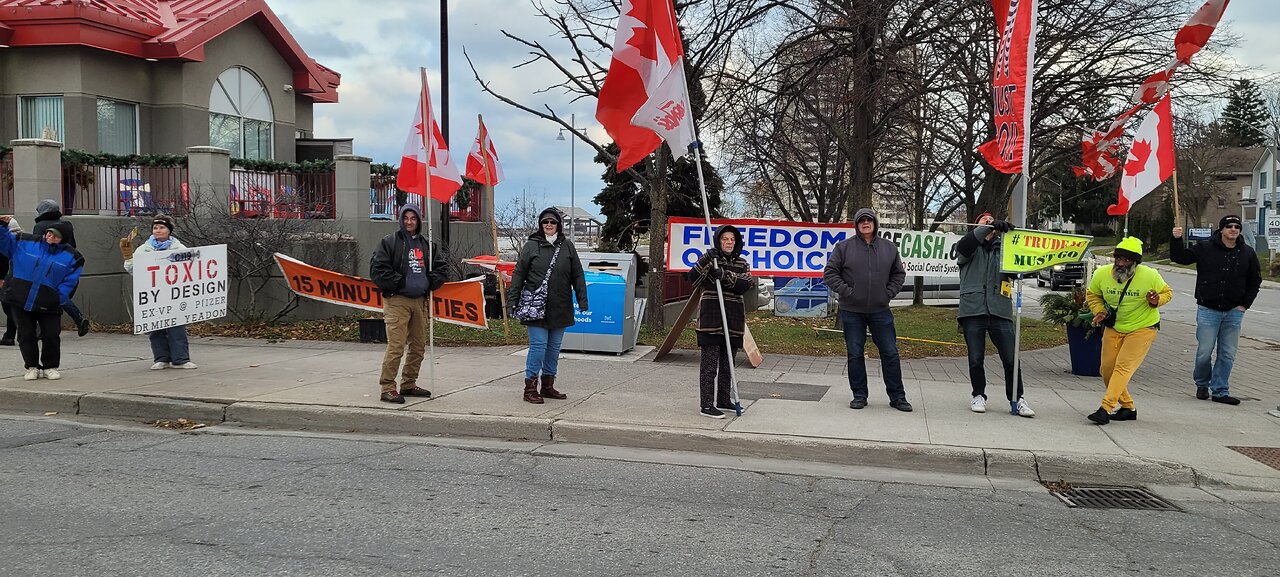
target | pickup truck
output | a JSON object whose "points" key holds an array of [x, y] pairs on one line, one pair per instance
{"points": [[1066, 274]]}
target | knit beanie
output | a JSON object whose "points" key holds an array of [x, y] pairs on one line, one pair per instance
{"points": [[1130, 248], [163, 220]]}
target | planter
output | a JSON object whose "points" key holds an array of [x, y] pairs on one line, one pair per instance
{"points": [[1086, 352], [373, 331]]}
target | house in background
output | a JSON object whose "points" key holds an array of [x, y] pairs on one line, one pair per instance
{"points": [[1260, 198], [158, 76]]}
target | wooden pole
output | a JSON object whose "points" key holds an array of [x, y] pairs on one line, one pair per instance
{"points": [[497, 250], [1177, 219]]}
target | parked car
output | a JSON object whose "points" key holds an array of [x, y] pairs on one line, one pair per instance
{"points": [[1066, 274]]}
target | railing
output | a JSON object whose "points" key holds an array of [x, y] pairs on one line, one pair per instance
{"points": [[6, 182], [474, 211], [124, 190], [675, 287], [382, 198], [283, 194]]}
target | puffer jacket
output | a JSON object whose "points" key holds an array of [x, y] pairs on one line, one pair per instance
{"points": [[147, 247], [1226, 278], [567, 279], [736, 282], [41, 276]]}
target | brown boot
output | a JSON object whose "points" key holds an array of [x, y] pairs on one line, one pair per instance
{"points": [[549, 388], [531, 391]]}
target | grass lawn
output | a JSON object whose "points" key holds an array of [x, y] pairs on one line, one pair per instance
{"points": [[774, 335]]}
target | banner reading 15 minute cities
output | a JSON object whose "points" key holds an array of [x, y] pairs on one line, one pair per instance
{"points": [[799, 249], [179, 287], [1024, 251]]}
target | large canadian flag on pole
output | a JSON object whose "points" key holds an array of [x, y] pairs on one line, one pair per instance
{"points": [[425, 150], [1011, 82], [482, 163], [645, 99], [1151, 158]]}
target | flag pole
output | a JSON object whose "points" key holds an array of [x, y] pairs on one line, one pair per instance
{"points": [[497, 252], [427, 130], [724, 317], [1177, 218]]}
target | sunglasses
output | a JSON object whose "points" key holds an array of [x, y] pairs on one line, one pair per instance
{"points": [[549, 221], [1235, 226], [864, 219]]}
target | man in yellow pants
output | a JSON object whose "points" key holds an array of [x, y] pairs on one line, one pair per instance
{"points": [[1125, 297]]}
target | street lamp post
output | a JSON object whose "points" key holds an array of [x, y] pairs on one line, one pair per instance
{"points": [[573, 207]]}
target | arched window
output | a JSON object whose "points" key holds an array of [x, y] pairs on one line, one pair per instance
{"points": [[240, 118]]}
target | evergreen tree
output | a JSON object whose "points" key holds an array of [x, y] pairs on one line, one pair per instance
{"points": [[1245, 117], [624, 201]]}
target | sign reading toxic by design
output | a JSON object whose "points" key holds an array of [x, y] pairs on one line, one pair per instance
{"points": [[799, 249], [1024, 251], [179, 287]]}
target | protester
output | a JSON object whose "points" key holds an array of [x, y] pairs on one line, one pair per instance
{"points": [[10, 325], [986, 311], [47, 213], [400, 270], [724, 263], [1228, 277], [169, 347], [549, 263], [42, 274], [865, 271], [1125, 297]]}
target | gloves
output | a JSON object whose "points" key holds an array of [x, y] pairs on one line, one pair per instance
{"points": [[1002, 226], [715, 273], [126, 248]]}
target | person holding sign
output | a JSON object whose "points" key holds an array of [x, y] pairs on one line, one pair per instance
{"points": [[986, 311], [723, 263], [169, 347], [866, 271], [1228, 277], [406, 278], [1125, 297], [43, 272], [547, 275]]}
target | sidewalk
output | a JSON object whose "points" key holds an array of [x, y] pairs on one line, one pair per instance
{"points": [[797, 407]]}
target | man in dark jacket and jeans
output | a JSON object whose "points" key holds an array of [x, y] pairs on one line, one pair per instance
{"points": [[986, 310], [865, 271], [401, 269], [1228, 277]]}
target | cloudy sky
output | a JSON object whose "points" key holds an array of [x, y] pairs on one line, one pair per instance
{"points": [[378, 52]]}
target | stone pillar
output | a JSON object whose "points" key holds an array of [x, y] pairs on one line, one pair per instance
{"points": [[209, 180], [353, 182], [37, 175]]}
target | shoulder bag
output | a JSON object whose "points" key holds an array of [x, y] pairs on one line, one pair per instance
{"points": [[532, 305], [1110, 321]]}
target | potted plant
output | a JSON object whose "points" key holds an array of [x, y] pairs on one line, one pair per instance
{"points": [[1083, 339]]}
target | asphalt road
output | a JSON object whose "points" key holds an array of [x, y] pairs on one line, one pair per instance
{"points": [[83, 500]]}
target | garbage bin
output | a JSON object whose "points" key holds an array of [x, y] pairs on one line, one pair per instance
{"points": [[612, 323]]}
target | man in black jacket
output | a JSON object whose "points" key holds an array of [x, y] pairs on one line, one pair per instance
{"points": [[402, 271], [1228, 277]]}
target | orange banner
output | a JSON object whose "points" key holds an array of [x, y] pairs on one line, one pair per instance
{"points": [[459, 303]]}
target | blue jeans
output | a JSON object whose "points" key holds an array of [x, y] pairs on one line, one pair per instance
{"points": [[976, 330], [1220, 330], [170, 345], [883, 334], [73, 311], [544, 351]]}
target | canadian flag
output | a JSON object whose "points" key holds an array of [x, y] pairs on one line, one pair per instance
{"points": [[482, 163], [645, 97], [422, 150], [1151, 158]]}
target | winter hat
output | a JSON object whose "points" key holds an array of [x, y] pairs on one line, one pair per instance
{"points": [[553, 213], [1229, 219], [48, 209], [979, 219], [163, 220], [867, 213], [1130, 248]]}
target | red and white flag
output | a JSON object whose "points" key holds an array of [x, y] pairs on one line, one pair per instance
{"points": [[1151, 159], [645, 97], [1011, 83], [482, 163], [423, 150]]}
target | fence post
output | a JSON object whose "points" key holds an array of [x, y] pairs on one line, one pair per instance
{"points": [[37, 175], [209, 180], [351, 173]]}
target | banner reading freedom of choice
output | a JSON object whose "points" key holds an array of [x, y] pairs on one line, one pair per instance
{"points": [[179, 287], [800, 249], [1024, 251]]}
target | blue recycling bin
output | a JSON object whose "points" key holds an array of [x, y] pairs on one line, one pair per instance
{"points": [[612, 323]]}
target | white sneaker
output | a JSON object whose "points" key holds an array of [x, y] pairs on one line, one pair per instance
{"points": [[1024, 410], [979, 404], [186, 365], [159, 366], [52, 374], [32, 374]]}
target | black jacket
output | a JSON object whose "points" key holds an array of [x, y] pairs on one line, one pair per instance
{"points": [[47, 213], [390, 263], [567, 279], [1225, 277]]}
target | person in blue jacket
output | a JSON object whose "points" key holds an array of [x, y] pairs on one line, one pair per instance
{"points": [[43, 272]]}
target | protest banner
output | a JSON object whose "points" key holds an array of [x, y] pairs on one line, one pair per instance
{"points": [[178, 287], [800, 249], [459, 303], [1026, 251]]}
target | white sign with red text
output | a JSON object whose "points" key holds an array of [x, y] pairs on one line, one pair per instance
{"points": [[178, 287]]}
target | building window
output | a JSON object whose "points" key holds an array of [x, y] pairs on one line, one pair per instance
{"points": [[1262, 180], [117, 127], [1222, 202], [240, 118], [40, 117]]}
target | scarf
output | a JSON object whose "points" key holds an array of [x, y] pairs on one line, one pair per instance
{"points": [[155, 244]]}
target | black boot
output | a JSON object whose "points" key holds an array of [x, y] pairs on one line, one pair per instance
{"points": [[549, 388], [531, 391]]}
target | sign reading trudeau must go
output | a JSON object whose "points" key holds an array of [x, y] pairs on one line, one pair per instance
{"points": [[178, 287]]}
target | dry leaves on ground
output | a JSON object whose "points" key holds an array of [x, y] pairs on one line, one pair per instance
{"points": [[180, 424]]}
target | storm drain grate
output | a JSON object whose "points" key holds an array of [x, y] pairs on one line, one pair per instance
{"points": [[1112, 498], [1269, 456]]}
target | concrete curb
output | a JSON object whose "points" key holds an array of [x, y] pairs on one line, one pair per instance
{"points": [[40, 401], [404, 422], [150, 408]]}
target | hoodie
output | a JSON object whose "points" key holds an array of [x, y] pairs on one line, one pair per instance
{"points": [[399, 264], [865, 275], [737, 280], [47, 213]]}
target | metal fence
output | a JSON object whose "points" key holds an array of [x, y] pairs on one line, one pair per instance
{"points": [[675, 287], [6, 182], [123, 190], [471, 213], [283, 194]]}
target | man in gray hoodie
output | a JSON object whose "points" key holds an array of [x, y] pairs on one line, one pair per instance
{"points": [[865, 271]]}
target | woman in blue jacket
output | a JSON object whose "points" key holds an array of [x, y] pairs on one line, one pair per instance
{"points": [[42, 273]]}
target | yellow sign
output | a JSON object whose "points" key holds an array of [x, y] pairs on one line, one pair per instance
{"points": [[1026, 251]]}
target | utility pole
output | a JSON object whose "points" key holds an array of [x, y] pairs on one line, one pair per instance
{"points": [[444, 108]]}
